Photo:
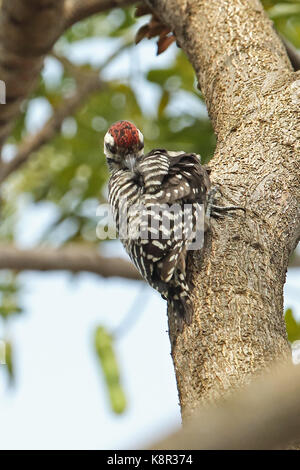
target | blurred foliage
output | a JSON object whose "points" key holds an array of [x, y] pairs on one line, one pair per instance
{"points": [[70, 171], [293, 327], [9, 299], [9, 307], [286, 18], [104, 346], [6, 360], [9, 365]]}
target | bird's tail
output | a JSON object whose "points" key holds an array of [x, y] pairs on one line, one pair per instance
{"points": [[180, 309]]}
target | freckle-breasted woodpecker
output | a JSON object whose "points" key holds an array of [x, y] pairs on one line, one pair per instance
{"points": [[142, 188]]}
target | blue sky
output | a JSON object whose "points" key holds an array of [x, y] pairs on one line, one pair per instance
{"points": [[59, 400]]}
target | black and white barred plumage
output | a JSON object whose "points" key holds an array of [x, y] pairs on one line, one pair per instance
{"points": [[142, 189]]}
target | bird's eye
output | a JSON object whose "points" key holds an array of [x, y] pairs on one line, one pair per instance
{"points": [[110, 147]]}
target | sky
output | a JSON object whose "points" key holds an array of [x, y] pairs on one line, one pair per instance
{"points": [[59, 399]]}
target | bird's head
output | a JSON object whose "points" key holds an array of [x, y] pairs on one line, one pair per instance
{"points": [[123, 146]]}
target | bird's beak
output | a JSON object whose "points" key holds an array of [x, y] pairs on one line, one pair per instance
{"points": [[130, 162]]}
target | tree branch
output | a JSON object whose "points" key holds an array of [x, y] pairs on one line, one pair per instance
{"points": [[294, 262], [265, 415], [28, 32], [293, 54], [77, 10], [71, 258]]}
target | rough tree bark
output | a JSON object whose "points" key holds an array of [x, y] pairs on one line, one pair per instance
{"points": [[253, 98], [263, 416]]}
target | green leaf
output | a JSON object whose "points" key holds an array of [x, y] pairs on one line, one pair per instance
{"points": [[9, 288], [293, 327], [9, 309], [9, 362], [286, 18], [104, 346], [158, 76], [164, 101], [284, 9]]}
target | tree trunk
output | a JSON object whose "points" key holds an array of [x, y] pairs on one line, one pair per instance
{"points": [[253, 99]]}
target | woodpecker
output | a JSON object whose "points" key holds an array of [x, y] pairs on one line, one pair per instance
{"points": [[157, 201]]}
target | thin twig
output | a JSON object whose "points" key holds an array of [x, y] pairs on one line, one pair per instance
{"points": [[135, 310], [77, 10], [293, 54]]}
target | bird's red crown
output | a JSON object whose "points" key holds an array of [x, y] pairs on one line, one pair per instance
{"points": [[125, 134]]}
